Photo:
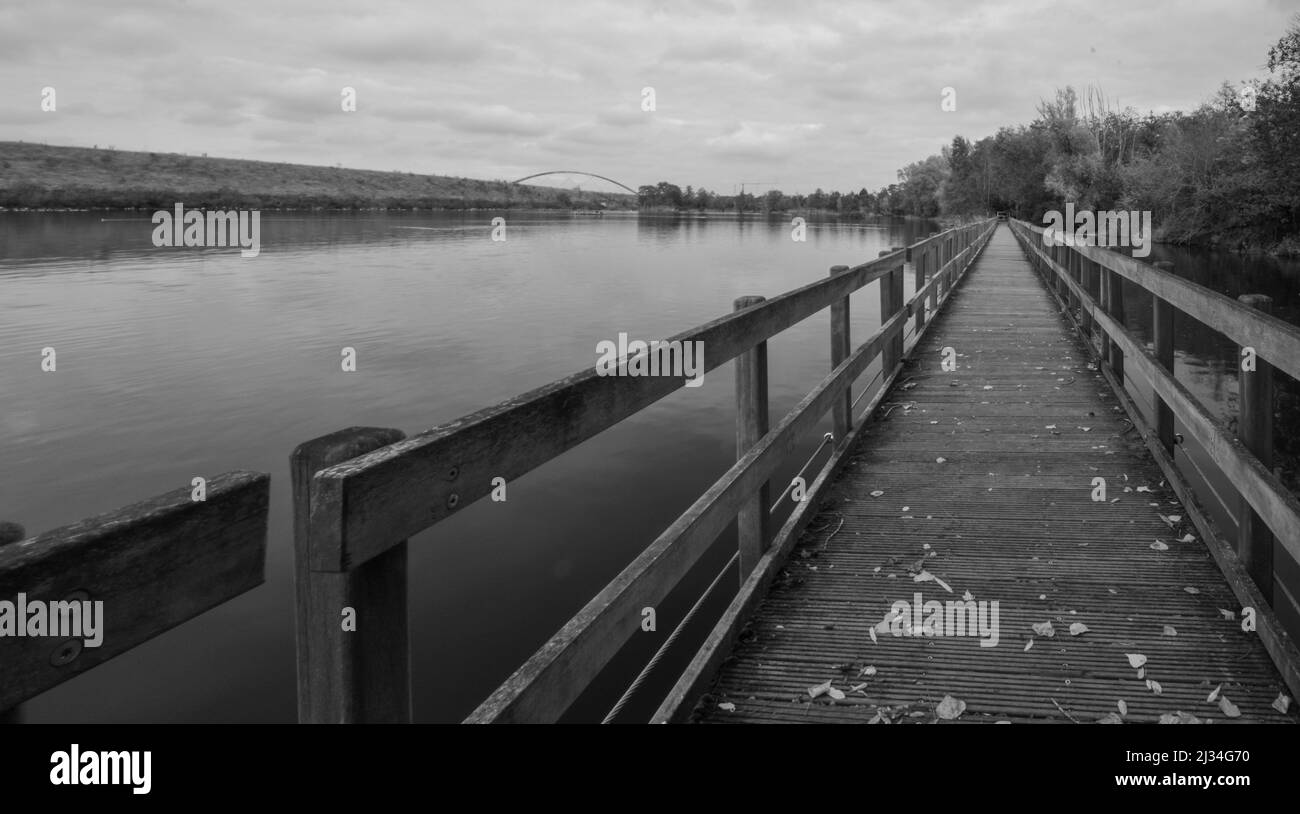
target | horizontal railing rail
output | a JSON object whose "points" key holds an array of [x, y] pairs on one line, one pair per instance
{"points": [[1249, 566], [358, 506], [154, 565]]}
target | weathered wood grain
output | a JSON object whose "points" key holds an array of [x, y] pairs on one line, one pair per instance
{"points": [[544, 687], [348, 676], [752, 423], [401, 489], [1275, 340], [154, 565]]}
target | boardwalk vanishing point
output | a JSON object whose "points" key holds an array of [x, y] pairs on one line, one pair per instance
{"points": [[982, 477]]}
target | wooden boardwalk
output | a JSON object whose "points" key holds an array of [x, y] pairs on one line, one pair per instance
{"points": [[983, 478]]}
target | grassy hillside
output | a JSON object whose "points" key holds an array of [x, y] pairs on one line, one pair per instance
{"points": [[41, 175]]}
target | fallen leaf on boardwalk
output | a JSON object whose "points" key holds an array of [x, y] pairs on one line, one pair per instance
{"points": [[1229, 708], [1045, 629], [1086, 429], [878, 718], [1169, 630], [727, 706], [1214, 695], [1191, 590], [950, 708], [934, 422], [858, 687], [1050, 427], [1125, 478], [940, 460], [871, 631], [1078, 629], [1227, 614], [820, 689], [877, 493], [1114, 500], [988, 387], [1179, 718], [1128, 489], [1160, 546], [1123, 707], [924, 576], [1042, 596], [925, 546], [877, 571], [1174, 518], [1142, 672], [868, 671], [1110, 718], [967, 597], [1187, 538], [1029, 644], [1136, 660], [1282, 703], [1112, 590], [1143, 489], [838, 695], [1154, 686]]}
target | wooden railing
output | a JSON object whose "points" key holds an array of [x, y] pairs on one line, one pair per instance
{"points": [[360, 493], [154, 565], [1087, 280]]}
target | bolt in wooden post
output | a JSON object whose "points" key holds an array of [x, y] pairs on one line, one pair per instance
{"points": [[1162, 334], [751, 425], [1255, 429], [352, 676], [11, 533]]}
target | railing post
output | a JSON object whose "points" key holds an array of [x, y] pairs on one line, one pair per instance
{"points": [[1103, 294], [841, 413], [11, 533], [361, 674], [1255, 429], [751, 425], [918, 277], [1162, 334], [1085, 282], [891, 300], [1116, 311]]}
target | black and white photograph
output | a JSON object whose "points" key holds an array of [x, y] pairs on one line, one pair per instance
{"points": [[650, 362]]}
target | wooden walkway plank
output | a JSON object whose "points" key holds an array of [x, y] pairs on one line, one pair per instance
{"points": [[984, 478]]}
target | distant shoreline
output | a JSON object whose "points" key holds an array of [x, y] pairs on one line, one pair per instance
{"points": [[44, 177]]}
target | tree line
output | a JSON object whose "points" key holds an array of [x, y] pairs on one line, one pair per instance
{"points": [[1225, 173]]}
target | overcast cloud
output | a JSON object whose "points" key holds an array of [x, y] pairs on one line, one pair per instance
{"points": [[804, 94]]}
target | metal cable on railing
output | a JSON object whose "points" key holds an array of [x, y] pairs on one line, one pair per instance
{"points": [[826, 439], [663, 648]]}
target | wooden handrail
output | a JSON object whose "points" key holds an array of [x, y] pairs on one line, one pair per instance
{"points": [[1247, 567], [548, 683], [1272, 338], [1258, 486], [154, 565], [360, 508]]}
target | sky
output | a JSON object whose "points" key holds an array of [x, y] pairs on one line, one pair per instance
{"points": [[785, 94]]}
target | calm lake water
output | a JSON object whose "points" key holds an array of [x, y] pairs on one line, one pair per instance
{"points": [[174, 363]]}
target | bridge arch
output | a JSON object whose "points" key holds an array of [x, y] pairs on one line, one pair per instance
{"points": [[574, 172]]}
